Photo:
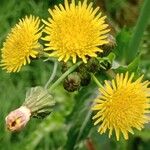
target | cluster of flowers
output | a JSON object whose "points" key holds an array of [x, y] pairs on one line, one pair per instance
{"points": [[71, 31], [77, 32]]}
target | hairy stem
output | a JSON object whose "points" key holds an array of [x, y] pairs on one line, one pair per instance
{"points": [[52, 75]]}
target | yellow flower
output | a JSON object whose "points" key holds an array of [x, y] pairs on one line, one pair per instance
{"points": [[75, 31], [122, 105], [21, 44]]}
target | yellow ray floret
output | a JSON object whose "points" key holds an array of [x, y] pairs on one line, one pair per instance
{"points": [[122, 105], [75, 31], [21, 44]]}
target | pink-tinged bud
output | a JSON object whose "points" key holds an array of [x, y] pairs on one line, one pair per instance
{"points": [[17, 119]]}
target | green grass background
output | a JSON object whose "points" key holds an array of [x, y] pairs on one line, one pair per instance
{"points": [[61, 130]]}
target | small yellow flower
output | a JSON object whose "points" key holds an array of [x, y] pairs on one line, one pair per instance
{"points": [[75, 31], [122, 105], [21, 44]]}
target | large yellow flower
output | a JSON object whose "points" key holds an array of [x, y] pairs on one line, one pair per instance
{"points": [[122, 105], [21, 44], [75, 30]]}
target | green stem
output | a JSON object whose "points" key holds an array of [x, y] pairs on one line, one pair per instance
{"points": [[84, 124], [96, 81], [139, 30], [64, 76], [52, 75]]}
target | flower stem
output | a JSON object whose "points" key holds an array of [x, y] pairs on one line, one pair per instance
{"points": [[96, 81], [84, 124], [52, 75], [139, 30], [53, 86]]}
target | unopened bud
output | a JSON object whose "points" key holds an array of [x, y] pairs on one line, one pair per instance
{"points": [[82, 69], [93, 65], [72, 82], [85, 79], [107, 48], [39, 101], [84, 74], [17, 119], [65, 66], [111, 40]]}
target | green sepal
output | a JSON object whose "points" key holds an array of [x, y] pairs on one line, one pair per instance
{"points": [[39, 101], [110, 58], [106, 62]]}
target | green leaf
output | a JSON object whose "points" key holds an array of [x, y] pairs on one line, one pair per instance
{"points": [[132, 67], [140, 27], [122, 41]]}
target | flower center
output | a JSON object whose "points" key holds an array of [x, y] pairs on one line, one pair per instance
{"points": [[125, 105], [75, 32]]}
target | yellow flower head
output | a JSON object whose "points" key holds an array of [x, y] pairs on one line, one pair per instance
{"points": [[75, 30], [122, 105], [21, 44]]}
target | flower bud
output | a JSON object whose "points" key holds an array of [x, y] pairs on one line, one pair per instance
{"points": [[111, 40], [85, 79], [93, 65], [84, 74], [65, 66], [17, 119], [107, 48], [82, 69], [39, 101], [72, 82]]}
